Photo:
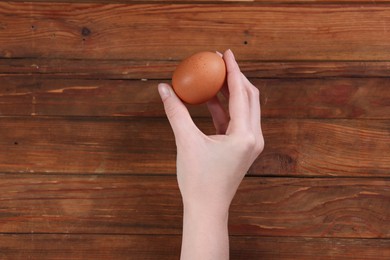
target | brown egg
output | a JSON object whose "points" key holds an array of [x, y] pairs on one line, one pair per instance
{"points": [[199, 77]]}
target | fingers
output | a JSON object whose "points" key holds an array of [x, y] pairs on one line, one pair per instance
{"points": [[254, 102], [239, 108], [218, 113], [177, 113], [220, 118], [224, 90], [244, 99], [244, 106]]}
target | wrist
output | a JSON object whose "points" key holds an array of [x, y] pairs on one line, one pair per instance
{"points": [[205, 233], [207, 218], [215, 214], [216, 205]]}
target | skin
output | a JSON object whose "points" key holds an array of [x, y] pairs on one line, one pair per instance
{"points": [[210, 168]]}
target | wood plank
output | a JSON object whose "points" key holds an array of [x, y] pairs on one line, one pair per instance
{"points": [[366, 98], [332, 98], [325, 147], [145, 146], [152, 69], [92, 145], [308, 248], [69, 246], [249, 2], [293, 206], [335, 207], [172, 32]]}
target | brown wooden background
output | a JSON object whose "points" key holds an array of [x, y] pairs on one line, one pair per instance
{"points": [[87, 161]]}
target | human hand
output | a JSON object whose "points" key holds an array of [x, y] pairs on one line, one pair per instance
{"points": [[210, 168]]}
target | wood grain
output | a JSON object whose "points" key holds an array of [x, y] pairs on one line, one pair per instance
{"points": [[307, 205], [146, 146], [77, 246], [249, 2], [87, 161], [365, 98], [96, 204], [308, 248], [152, 69], [274, 32]]}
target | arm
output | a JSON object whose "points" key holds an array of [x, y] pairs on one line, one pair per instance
{"points": [[210, 168]]}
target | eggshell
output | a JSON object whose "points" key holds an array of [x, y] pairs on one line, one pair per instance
{"points": [[199, 77]]}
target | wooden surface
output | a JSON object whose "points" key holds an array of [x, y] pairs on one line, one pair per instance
{"points": [[87, 162], [171, 32]]}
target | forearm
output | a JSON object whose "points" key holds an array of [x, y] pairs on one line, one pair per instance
{"points": [[205, 234]]}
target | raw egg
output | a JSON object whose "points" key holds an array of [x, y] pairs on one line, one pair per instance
{"points": [[199, 77]]}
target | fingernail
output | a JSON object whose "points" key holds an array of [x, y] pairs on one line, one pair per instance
{"points": [[220, 54], [163, 90], [231, 52]]}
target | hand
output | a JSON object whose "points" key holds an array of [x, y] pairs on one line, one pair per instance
{"points": [[210, 168]]}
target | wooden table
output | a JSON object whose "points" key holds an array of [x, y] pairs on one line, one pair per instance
{"points": [[87, 162]]}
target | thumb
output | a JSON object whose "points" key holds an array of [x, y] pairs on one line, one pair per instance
{"points": [[177, 113]]}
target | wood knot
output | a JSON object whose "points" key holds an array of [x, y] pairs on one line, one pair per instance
{"points": [[85, 31]]}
